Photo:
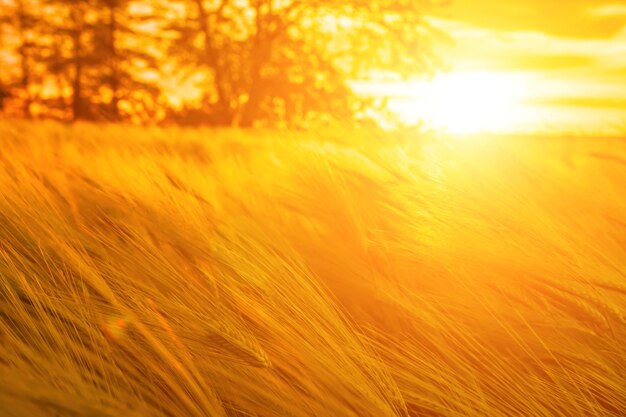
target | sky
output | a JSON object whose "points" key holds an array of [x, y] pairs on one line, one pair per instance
{"points": [[525, 65]]}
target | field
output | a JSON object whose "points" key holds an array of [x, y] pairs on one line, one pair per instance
{"points": [[169, 272]]}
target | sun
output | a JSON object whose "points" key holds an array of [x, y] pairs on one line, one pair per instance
{"points": [[469, 102]]}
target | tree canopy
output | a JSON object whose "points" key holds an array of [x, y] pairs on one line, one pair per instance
{"points": [[219, 62]]}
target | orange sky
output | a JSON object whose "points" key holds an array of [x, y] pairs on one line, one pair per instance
{"points": [[535, 65]]}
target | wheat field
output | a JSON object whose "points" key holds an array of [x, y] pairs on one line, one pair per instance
{"points": [[171, 272]]}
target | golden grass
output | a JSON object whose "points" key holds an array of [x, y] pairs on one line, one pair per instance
{"points": [[164, 272]]}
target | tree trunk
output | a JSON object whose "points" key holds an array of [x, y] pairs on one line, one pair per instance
{"points": [[77, 105], [224, 114], [259, 55], [24, 63], [114, 59], [252, 106], [77, 99], [25, 82]]}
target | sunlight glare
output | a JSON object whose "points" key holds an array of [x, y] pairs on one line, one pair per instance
{"points": [[469, 102]]}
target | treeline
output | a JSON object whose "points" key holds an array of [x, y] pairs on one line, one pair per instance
{"points": [[218, 62]]}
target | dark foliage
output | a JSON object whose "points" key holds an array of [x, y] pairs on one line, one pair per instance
{"points": [[254, 62]]}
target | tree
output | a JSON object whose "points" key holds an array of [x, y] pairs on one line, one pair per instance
{"points": [[254, 61], [95, 56], [20, 18], [4, 94], [201, 34], [70, 26], [123, 63], [290, 60]]}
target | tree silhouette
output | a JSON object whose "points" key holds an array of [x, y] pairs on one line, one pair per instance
{"points": [[71, 28], [289, 60], [279, 62], [23, 23], [4, 94], [120, 63], [91, 59]]}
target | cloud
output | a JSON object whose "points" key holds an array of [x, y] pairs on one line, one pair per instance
{"points": [[477, 48], [562, 18], [533, 62], [591, 102], [609, 10]]}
